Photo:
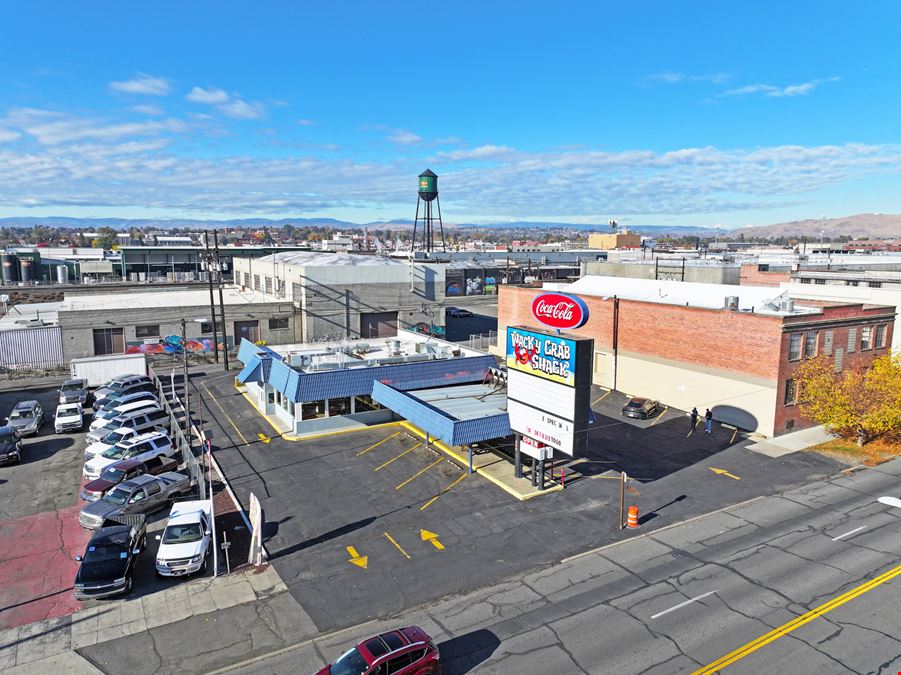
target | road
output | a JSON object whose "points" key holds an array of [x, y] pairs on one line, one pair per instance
{"points": [[799, 582]]}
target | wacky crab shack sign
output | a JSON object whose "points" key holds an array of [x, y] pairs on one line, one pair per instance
{"points": [[551, 357], [560, 311]]}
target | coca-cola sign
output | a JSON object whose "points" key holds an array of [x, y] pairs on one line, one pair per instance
{"points": [[560, 311]]}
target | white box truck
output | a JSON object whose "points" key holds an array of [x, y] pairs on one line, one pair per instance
{"points": [[99, 369]]}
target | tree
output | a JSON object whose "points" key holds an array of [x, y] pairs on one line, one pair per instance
{"points": [[865, 403]]}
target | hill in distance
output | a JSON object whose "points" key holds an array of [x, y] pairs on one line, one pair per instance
{"points": [[863, 225]]}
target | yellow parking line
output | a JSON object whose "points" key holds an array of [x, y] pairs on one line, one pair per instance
{"points": [[444, 491], [659, 417], [420, 472], [397, 546], [375, 445], [382, 466], [602, 397], [797, 622], [218, 405]]}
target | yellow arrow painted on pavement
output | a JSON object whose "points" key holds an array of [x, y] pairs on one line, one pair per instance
{"points": [[432, 538], [361, 561], [264, 438], [723, 472]]}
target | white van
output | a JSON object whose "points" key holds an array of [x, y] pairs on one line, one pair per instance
{"points": [[102, 419]]}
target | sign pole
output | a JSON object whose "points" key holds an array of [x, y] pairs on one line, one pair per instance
{"points": [[622, 498], [517, 457]]}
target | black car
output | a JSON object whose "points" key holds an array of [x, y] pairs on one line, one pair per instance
{"points": [[457, 313], [108, 563], [640, 408], [10, 445]]}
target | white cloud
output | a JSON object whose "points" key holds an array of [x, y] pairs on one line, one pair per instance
{"points": [[404, 137], [52, 128], [6, 135], [669, 77], [143, 84], [307, 123], [482, 152], [153, 110], [209, 96], [775, 91]]}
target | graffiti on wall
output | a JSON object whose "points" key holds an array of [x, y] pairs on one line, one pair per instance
{"points": [[171, 344]]}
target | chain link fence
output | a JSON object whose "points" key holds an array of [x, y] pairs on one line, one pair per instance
{"points": [[481, 341]]}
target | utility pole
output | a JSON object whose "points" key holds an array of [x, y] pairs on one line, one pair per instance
{"points": [[184, 352], [221, 301], [209, 271]]}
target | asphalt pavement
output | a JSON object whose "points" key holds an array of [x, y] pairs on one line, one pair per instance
{"points": [[799, 582]]}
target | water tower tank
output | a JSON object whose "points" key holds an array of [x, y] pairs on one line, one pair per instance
{"points": [[9, 268], [428, 185]]}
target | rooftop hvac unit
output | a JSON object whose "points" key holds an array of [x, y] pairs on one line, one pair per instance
{"points": [[394, 347], [731, 303], [298, 360], [361, 347], [787, 305]]}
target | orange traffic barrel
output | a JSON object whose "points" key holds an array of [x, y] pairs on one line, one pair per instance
{"points": [[632, 519]]}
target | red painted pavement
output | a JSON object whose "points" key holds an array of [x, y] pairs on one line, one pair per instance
{"points": [[36, 566]]}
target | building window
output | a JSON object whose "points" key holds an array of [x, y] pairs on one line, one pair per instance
{"points": [[148, 331], [810, 344], [850, 283], [827, 343], [805, 281], [280, 323], [256, 282], [820, 282], [794, 346], [108, 341], [339, 406], [874, 284], [839, 359], [312, 410], [880, 336], [791, 393], [865, 334], [852, 340], [268, 284], [364, 403], [206, 327], [296, 292]]}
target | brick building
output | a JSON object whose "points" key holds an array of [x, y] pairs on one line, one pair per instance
{"points": [[733, 349]]}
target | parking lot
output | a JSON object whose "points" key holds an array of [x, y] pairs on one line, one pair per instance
{"points": [[483, 319], [39, 530], [361, 525]]}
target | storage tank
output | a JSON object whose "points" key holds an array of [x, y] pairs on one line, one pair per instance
{"points": [[9, 268], [62, 274], [26, 270]]}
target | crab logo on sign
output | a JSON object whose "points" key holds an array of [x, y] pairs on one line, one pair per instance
{"points": [[563, 312]]}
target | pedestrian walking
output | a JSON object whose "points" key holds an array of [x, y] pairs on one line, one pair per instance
{"points": [[694, 418], [708, 419]]}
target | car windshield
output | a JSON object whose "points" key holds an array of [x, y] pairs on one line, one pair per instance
{"points": [[634, 404], [112, 474], [69, 410], [114, 437], [69, 388], [350, 663], [182, 534], [104, 553], [117, 497], [22, 414], [7, 432], [116, 452]]}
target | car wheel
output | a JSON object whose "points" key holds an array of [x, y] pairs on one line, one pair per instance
{"points": [[129, 582], [202, 569]]}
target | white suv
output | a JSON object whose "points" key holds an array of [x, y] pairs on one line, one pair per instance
{"points": [[143, 446], [185, 543]]}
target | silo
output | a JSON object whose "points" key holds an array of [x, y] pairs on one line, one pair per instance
{"points": [[9, 268], [26, 270], [62, 274]]}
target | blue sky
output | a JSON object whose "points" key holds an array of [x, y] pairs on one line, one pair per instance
{"points": [[704, 113]]}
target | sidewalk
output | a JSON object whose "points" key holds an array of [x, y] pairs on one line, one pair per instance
{"points": [[789, 443], [49, 646]]}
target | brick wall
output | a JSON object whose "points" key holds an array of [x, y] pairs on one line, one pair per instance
{"points": [[752, 276]]}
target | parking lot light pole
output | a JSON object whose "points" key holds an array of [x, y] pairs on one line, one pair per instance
{"points": [[187, 402]]}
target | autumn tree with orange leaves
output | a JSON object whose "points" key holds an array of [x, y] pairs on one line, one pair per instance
{"points": [[864, 402]]}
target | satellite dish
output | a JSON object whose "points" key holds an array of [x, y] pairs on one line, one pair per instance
{"points": [[4, 298]]}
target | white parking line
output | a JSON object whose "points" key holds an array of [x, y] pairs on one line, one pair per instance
{"points": [[682, 604], [848, 534]]}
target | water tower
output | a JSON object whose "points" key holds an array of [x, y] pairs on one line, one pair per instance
{"points": [[428, 193]]}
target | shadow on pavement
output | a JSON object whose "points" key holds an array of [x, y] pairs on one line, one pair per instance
{"points": [[463, 654], [36, 449], [332, 534]]}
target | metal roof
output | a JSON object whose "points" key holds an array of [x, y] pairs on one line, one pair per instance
{"points": [[326, 259]]}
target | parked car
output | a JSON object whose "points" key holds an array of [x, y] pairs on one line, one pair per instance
{"points": [[10, 445], [123, 390], [115, 402], [402, 652], [185, 543], [143, 446], [457, 313], [123, 470], [102, 417], [640, 408], [108, 563], [74, 391], [68, 417], [117, 384], [145, 419], [27, 418], [141, 494]]}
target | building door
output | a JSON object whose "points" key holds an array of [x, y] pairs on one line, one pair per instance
{"points": [[378, 324], [248, 330], [108, 341], [602, 373]]}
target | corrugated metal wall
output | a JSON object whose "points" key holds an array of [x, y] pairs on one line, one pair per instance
{"points": [[37, 348]]}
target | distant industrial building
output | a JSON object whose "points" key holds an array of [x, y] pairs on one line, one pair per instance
{"points": [[180, 262], [731, 348], [612, 240]]}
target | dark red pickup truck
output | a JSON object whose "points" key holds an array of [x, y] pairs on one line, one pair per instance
{"points": [[124, 470]]}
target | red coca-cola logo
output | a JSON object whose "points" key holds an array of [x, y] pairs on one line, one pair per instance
{"points": [[556, 310]]}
